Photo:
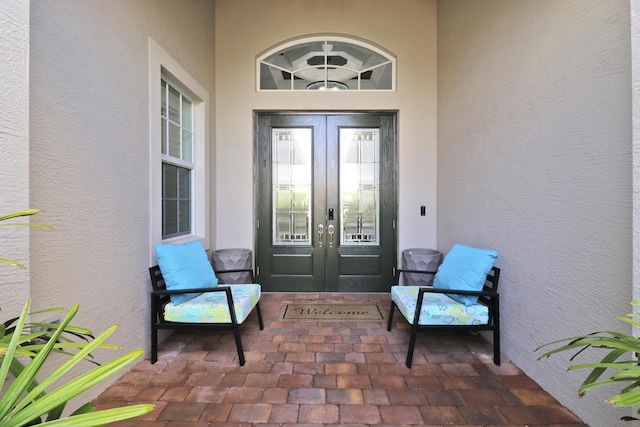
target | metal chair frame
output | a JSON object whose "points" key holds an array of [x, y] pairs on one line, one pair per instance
{"points": [[488, 296], [160, 297]]}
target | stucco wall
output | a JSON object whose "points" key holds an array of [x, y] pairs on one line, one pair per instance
{"points": [[14, 150], [534, 160], [246, 28], [90, 149]]}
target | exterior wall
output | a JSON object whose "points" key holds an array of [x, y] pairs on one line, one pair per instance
{"points": [[14, 149], [90, 150], [535, 160], [246, 28], [635, 79]]}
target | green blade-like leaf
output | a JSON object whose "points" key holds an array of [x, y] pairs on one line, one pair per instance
{"points": [[630, 398], [62, 369], [85, 409], [6, 403], [584, 389], [12, 262], [22, 382], [103, 417], [23, 212], [70, 389], [27, 224], [56, 413]]}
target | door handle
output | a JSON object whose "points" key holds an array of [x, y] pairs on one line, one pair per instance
{"points": [[330, 231], [320, 233]]}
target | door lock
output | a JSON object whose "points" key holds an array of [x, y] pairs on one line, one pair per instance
{"points": [[330, 214]]}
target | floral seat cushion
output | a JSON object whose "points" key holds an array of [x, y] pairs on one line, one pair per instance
{"points": [[437, 309], [211, 307]]}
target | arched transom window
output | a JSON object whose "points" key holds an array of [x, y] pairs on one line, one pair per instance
{"points": [[326, 63]]}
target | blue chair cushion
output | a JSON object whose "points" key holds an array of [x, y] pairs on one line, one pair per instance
{"points": [[185, 266], [211, 307], [437, 309], [465, 268]]}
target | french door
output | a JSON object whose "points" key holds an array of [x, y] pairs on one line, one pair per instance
{"points": [[326, 201]]}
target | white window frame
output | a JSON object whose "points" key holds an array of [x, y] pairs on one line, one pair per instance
{"points": [[162, 65]]}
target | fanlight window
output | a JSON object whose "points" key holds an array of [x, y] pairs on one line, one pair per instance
{"points": [[326, 64]]}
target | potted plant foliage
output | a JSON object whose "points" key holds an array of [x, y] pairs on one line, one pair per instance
{"points": [[620, 362], [25, 347]]}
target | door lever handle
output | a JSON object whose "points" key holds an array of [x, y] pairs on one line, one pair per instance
{"points": [[320, 233], [330, 231]]}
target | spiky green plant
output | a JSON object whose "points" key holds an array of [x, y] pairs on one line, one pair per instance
{"points": [[19, 214], [624, 372], [28, 402]]}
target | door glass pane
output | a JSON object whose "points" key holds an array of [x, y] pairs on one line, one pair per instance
{"points": [[359, 187], [291, 192]]}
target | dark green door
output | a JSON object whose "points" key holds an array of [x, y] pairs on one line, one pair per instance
{"points": [[326, 201]]}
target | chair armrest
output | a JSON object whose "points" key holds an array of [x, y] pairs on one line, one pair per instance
{"points": [[431, 290], [220, 288]]}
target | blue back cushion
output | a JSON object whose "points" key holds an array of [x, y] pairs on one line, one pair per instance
{"points": [[465, 268], [185, 266]]}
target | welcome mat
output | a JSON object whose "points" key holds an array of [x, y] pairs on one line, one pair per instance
{"points": [[328, 312]]}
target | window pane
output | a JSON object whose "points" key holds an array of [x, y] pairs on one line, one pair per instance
{"points": [[169, 218], [176, 200], [359, 186], [346, 64], [174, 140], [187, 146], [163, 133], [291, 197], [169, 181], [184, 183], [184, 216], [163, 99], [187, 108], [174, 105]]}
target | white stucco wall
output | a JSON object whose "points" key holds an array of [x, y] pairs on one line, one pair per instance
{"points": [[246, 28], [635, 83], [14, 150], [535, 160], [90, 149]]}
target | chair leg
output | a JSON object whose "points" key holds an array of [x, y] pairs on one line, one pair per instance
{"points": [[496, 346], [393, 306], [236, 334], [259, 312], [154, 344], [412, 344]]}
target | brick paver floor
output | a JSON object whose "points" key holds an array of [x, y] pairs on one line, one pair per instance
{"points": [[325, 374]]}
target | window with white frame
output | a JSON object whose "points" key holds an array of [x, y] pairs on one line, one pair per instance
{"points": [[178, 134], [177, 161]]}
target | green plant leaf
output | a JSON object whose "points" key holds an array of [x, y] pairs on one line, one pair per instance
{"points": [[61, 370], [624, 372], [25, 401], [28, 375], [630, 398], [20, 213], [103, 417], [14, 263], [7, 401], [69, 390]]}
